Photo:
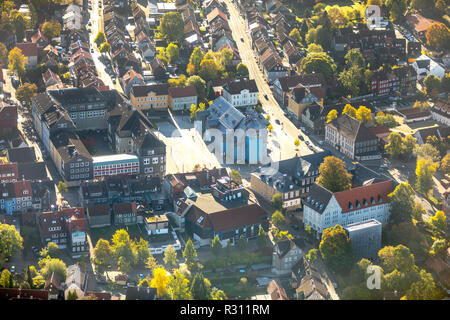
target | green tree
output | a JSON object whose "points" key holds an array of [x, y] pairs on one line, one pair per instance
{"points": [[10, 242], [427, 151], [26, 91], [3, 52], [72, 295], [336, 249], [173, 52], [216, 246], [270, 128], [142, 250], [105, 47], [277, 201], [99, 38], [439, 222], [190, 254], [51, 29], [51, 249], [62, 187], [261, 239], [295, 34], [421, 4], [396, 258], [313, 47], [318, 62], [199, 288], [364, 115], [424, 289], [49, 265], [172, 26], [333, 176], [431, 83], [16, 62], [438, 35], [277, 218], [439, 248], [352, 79], [417, 211], [319, 35], [337, 17], [241, 243], [402, 203], [217, 294], [209, 70], [396, 8], [6, 279], [241, 70], [145, 283], [103, 254], [151, 264], [199, 84], [236, 176], [425, 169], [170, 257], [178, 287], [297, 142], [311, 256], [228, 248], [123, 249], [196, 58]]}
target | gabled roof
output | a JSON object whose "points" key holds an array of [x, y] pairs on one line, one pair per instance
{"points": [[99, 210], [216, 13], [181, 92], [23, 154], [29, 49], [351, 128], [124, 207], [235, 87], [143, 91]]}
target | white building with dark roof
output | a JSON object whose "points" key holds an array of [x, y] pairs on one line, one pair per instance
{"points": [[241, 93]]}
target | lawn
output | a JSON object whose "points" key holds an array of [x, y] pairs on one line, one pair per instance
{"points": [[107, 233]]}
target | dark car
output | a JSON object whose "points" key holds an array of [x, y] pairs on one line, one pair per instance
{"points": [[277, 121], [266, 97], [301, 137], [242, 39]]}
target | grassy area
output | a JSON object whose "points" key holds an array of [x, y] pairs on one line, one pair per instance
{"points": [[107, 233]]}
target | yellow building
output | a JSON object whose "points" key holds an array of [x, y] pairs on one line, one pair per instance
{"points": [[150, 97], [300, 96]]}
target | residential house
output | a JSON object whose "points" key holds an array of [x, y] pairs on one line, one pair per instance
{"points": [[300, 96], [76, 281], [131, 78], [272, 65], [286, 253], [73, 17], [19, 294], [312, 288], [8, 172], [276, 291], [352, 138], [440, 112], [241, 93], [15, 196], [324, 209], [21, 154], [425, 66], [99, 215], [52, 80], [30, 51], [125, 213], [419, 24], [215, 16], [181, 98], [53, 286], [414, 114], [150, 97], [39, 39], [158, 69], [157, 224], [8, 118], [440, 132], [283, 85]]}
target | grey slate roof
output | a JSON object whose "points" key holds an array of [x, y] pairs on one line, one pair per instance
{"points": [[318, 198], [352, 129]]}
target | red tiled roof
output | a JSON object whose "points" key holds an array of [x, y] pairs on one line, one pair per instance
{"points": [[10, 168], [124, 207], [29, 49], [362, 193], [237, 217], [419, 22], [215, 13], [12, 294], [180, 92], [20, 187], [100, 210]]}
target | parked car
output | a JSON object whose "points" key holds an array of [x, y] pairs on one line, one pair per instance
{"points": [[301, 137], [307, 143], [266, 97], [277, 121], [242, 39]]}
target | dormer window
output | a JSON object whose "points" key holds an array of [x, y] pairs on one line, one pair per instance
{"points": [[358, 205], [365, 202], [350, 205], [379, 198], [372, 200]]}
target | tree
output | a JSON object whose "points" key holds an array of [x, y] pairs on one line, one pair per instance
{"points": [[418, 211], [216, 246], [242, 70], [72, 295], [336, 249], [439, 248], [145, 283], [124, 250], [228, 248], [421, 4], [105, 47], [270, 128], [445, 164], [402, 203], [102, 253], [431, 83], [49, 265], [277, 218], [318, 62], [10, 242], [396, 8], [427, 151], [196, 58], [151, 263], [313, 47], [18, 21], [331, 115], [441, 6], [352, 79], [16, 62], [199, 84], [6, 279], [26, 91], [172, 26], [424, 289], [199, 288], [438, 36], [295, 34], [173, 52], [396, 258], [99, 38], [236, 176], [178, 287], [337, 17], [425, 169], [311, 256], [277, 201], [319, 35], [439, 222], [3, 52], [398, 146], [62, 187], [170, 257], [225, 57], [297, 142], [445, 83], [375, 3], [333, 176], [217, 294], [364, 115], [241, 243], [51, 29], [142, 250], [261, 239], [209, 70], [190, 254], [160, 281], [349, 110], [51, 250]]}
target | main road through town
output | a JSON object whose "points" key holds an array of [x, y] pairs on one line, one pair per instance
{"points": [[270, 105]]}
